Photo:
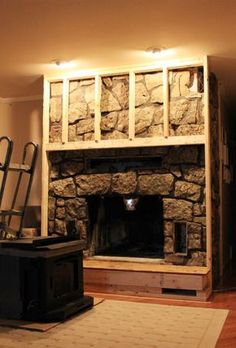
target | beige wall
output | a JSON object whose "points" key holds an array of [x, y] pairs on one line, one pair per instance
{"points": [[22, 122]]}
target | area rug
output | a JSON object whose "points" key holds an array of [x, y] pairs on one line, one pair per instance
{"points": [[36, 326], [122, 324]]}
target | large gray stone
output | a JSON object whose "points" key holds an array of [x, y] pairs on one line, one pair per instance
{"points": [[71, 168], [157, 95], [60, 227], [121, 90], [155, 131], [55, 133], [85, 126], [190, 129], [198, 258], [160, 184], [180, 83], [123, 121], [124, 183], [60, 213], [56, 89], [194, 174], [93, 184], [108, 122], [182, 111], [143, 118], [168, 229], [55, 109], [194, 236], [141, 94], [63, 187], [168, 245], [153, 80], [51, 208], [76, 208], [183, 154], [187, 190], [115, 134], [177, 209], [108, 101]]}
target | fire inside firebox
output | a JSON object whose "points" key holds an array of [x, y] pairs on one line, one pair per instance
{"points": [[126, 226]]}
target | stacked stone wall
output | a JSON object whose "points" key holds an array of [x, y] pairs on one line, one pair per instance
{"points": [[179, 180]]}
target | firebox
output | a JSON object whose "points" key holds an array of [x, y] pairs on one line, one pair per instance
{"points": [[128, 226]]}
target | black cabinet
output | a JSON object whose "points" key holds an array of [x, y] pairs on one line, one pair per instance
{"points": [[41, 282]]}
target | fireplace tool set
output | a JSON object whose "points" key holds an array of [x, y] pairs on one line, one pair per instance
{"points": [[22, 186]]}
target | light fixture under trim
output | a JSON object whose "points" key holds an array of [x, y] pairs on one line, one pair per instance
{"points": [[155, 50]]}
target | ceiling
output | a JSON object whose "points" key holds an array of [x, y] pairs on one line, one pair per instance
{"points": [[95, 34]]}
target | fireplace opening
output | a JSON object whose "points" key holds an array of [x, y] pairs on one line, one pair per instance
{"points": [[126, 226]]}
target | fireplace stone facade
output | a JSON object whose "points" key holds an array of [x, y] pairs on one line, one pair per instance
{"points": [[178, 177]]}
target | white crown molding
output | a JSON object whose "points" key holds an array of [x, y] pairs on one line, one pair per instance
{"points": [[21, 99]]}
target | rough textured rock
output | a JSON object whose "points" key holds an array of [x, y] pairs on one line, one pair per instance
{"points": [[198, 258], [93, 184], [153, 80], [60, 213], [182, 112], [55, 133], [85, 126], [76, 208], [82, 228], [60, 227], [54, 171], [121, 90], [198, 209], [114, 135], [63, 188], [194, 174], [168, 245], [108, 122], [141, 94], [154, 131], [194, 236], [71, 168], [200, 220], [186, 190], [168, 229], [177, 209], [180, 83], [190, 129], [159, 184], [124, 183], [143, 119], [123, 121], [51, 208], [60, 202], [157, 95], [181, 155], [56, 89], [55, 109], [108, 101]]}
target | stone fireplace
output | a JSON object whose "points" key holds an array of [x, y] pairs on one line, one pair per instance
{"points": [[131, 165], [142, 203]]}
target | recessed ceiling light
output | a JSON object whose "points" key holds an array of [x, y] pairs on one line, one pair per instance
{"points": [[62, 63], [155, 50]]}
